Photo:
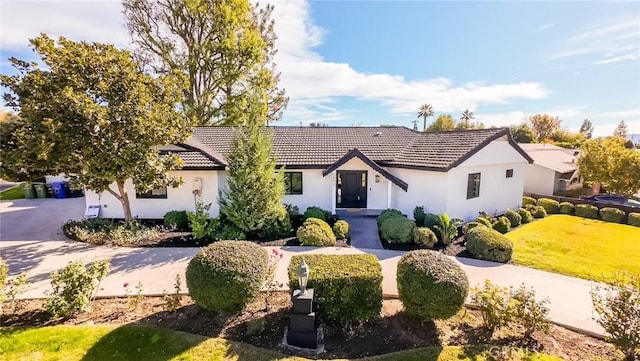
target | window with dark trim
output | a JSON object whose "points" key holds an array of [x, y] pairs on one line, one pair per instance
{"points": [[292, 182], [509, 173], [473, 185], [160, 193]]}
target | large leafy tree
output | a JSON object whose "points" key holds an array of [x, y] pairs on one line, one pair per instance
{"points": [[609, 162], [621, 130], [543, 125], [587, 128], [94, 114], [522, 133], [425, 111], [443, 122], [225, 47]]}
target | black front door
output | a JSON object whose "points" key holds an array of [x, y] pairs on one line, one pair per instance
{"points": [[351, 189]]}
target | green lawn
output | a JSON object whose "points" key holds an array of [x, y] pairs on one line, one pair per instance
{"points": [[15, 192], [576, 246], [137, 343]]}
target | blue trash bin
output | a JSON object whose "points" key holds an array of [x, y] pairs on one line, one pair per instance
{"points": [[59, 190]]}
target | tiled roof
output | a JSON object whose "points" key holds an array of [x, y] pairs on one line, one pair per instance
{"points": [[320, 147], [552, 157], [196, 160]]}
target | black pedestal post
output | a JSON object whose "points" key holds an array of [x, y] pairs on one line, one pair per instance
{"points": [[303, 332]]}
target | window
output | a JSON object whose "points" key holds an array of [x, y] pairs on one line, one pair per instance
{"points": [[154, 193], [473, 185], [509, 173], [292, 182]]}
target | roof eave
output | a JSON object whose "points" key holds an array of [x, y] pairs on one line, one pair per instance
{"points": [[358, 154]]}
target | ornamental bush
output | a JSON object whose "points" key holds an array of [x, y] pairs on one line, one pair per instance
{"points": [[277, 225], [610, 214], [430, 285], [227, 275], [539, 212], [397, 230], [551, 206], [341, 229], [587, 211], [502, 225], [567, 208], [386, 214], [471, 225], [419, 216], [74, 287], [176, 220], [634, 219], [528, 200], [424, 236], [526, 216], [529, 207], [514, 218], [317, 212], [351, 295], [431, 221], [484, 221], [488, 244], [316, 232], [101, 231]]}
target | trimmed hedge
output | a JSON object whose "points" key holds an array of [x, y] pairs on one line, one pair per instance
{"points": [[567, 208], [341, 229], [227, 275], [425, 237], [529, 207], [419, 216], [551, 206], [386, 214], [469, 226], [514, 218], [316, 232], [317, 212], [397, 230], [587, 211], [487, 244], [528, 200], [539, 212], [526, 216], [430, 285], [177, 220], [484, 221], [634, 219], [610, 214], [502, 225], [348, 288]]}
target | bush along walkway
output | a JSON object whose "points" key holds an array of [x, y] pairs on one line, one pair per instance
{"points": [[157, 268]]}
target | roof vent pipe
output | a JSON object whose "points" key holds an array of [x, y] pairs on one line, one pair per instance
{"points": [[377, 134]]}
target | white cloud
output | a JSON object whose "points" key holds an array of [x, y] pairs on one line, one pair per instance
{"points": [[617, 59], [544, 27]]}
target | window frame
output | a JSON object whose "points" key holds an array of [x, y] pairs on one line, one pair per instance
{"points": [[473, 185], [288, 179], [150, 195], [509, 173]]}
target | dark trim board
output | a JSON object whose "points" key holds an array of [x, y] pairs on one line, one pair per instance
{"points": [[356, 153]]}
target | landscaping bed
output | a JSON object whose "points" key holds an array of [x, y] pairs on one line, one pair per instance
{"points": [[263, 327]]}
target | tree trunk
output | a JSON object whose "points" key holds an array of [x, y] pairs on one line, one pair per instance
{"points": [[124, 199]]}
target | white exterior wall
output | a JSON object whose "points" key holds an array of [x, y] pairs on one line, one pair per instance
{"points": [[426, 188], [376, 192], [180, 198], [539, 180], [316, 190]]}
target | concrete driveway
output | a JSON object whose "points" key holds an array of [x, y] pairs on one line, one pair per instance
{"points": [[37, 219]]}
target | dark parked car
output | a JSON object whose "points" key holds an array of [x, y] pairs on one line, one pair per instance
{"points": [[615, 200]]}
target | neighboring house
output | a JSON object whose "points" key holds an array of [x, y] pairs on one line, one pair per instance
{"points": [[554, 169], [458, 172]]}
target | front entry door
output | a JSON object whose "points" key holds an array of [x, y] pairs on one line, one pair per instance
{"points": [[351, 189]]}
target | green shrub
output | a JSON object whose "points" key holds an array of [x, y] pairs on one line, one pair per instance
{"points": [[447, 228], [539, 212], [528, 314], [419, 216], [225, 230], [225, 276], [514, 218], [587, 211], [634, 219], [484, 221], [176, 220], [425, 237], [317, 212], [610, 214], [567, 208], [100, 231], [529, 207], [528, 200], [430, 285], [277, 225], [199, 221], [386, 214], [551, 206], [487, 244], [316, 232], [341, 229], [526, 216], [348, 288], [74, 287], [293, 210], [430, 221], [493, 302], [502, 225], [397, 230], [471, 225]]}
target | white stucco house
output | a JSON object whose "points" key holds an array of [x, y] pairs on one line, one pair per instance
{"points": [[553, 169], [372, 168]]}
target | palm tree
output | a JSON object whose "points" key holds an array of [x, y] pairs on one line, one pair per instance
{"points": [[424, 112], [467, 115]]}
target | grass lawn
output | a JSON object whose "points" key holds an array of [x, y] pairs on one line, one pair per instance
{"points": [[575, 246], [15, 192], [151, 343]]}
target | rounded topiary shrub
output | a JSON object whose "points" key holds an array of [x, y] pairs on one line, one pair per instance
{"points": [[386, 214], [471, 225], [488, 244], [430, 285], [425, 237], [551, 206], [514, 218], [539, 212], [528, 200], [610, 214], [529, 207], [316, 232], [567, 208], [227, 275], [587, 211], [177, 220], [397, 230], [316, 212], [634, 219], [502, 225], [341, 229], [484, 221], [526, 216]]}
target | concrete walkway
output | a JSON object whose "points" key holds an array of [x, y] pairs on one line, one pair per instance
{"points": [[156, 268], [38, 219], [363, 230]]}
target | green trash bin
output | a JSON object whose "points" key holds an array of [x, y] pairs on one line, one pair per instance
{"points": [[40, 190], [29, 192]]}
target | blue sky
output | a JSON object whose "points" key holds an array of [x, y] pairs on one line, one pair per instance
{"points": [[375, 62]]}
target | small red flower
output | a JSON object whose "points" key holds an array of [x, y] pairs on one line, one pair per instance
{"points": [[281, 285], [281, 255], [126, 284]]}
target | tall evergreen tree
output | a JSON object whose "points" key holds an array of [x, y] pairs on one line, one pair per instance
{"points": [[587, 128], [621, 130]]}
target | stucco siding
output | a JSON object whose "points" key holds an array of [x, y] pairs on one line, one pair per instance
{"points": [[316, 190], [426, 188], [376, 192], [539, 180]]}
